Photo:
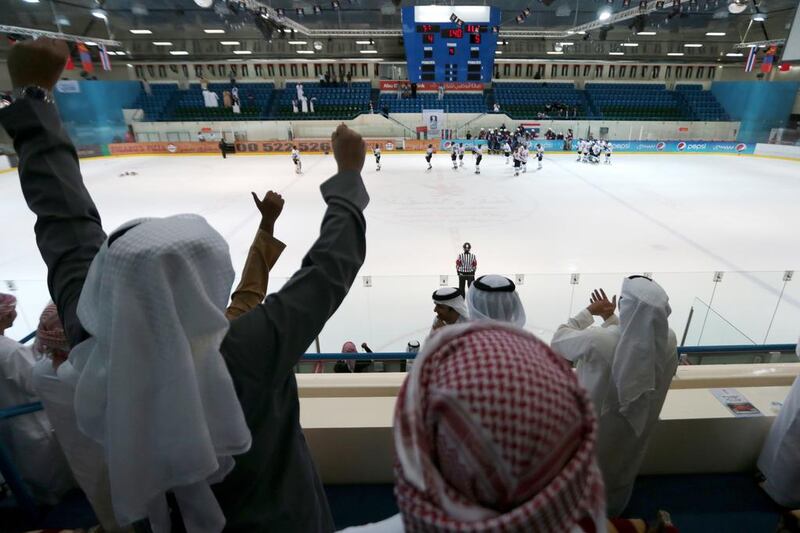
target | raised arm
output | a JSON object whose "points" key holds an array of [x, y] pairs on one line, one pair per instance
{"points": [[263, 254], [269, 340], [68, 230]]}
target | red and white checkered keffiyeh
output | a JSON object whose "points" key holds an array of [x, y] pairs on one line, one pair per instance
{"points": [[493, 433], [50, 333], [8, 303]]}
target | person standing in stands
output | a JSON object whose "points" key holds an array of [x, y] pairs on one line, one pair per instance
{"points": [[626, 365], [180, 267], [779, 461], [29, 439], [466, 265], [493, 433], [494, 297]]}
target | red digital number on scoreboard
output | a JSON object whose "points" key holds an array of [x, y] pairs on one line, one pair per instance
{"points": [[451, 50], [426, 28], [427, 38], [456, 33], [475, 38], [472, 28]]}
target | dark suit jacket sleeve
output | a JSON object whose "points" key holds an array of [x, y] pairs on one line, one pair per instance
{"points": [[268, 341], [68, 230]]}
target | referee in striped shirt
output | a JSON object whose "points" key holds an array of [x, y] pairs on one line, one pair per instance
{"points": [[466, 264]]}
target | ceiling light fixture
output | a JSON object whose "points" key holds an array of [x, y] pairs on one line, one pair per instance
{"points": [[305, 51], [616, 53], [692, 45], [734, 54], [297, 42], [178, 53], [554, 53], [630, 45], [604, 14], [162, 43], [646, 33], [229, 43], [141, 32], [368, 51], [675, 54], [212, 30], [242, 52], [759, 17], [715, 34], [90, 43], [31, 1], [99, 13], [498, 52]]}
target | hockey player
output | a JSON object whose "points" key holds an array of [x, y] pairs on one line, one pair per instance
{"points": [[596, 149], [609, 150], [454, 155], [586, 149], [461, 154], [539, 155], [517, 160], [298, 166], [478, 151], [377, 153], [429, 155], [579, 144], [523, 156], [506, 150]]}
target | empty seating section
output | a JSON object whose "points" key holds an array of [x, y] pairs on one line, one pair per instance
{"points": [[703, 104], [527, 100], [519, 100], [331, 102], [153, 104], [452, 103], [636, 101]]}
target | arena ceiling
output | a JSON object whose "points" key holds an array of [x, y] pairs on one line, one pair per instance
{"points": [[332, 33]]}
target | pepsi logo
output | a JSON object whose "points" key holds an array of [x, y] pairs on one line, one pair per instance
{"points": [[171, 148], [660, 146], [681, 146], [741, 147]]}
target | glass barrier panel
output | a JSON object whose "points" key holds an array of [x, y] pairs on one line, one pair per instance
{"points": [[709, 328], [785, 327]]}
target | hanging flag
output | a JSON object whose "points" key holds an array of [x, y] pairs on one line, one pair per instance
{"points": [[769, 59], [70, 64], [751, 59], [86, 58], [784, 67], [104, 60]]}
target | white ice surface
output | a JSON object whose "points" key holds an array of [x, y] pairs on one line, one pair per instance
{"points": [[679, 216]]}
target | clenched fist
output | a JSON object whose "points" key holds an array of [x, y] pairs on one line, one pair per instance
{"points": [[349, 149], [38, 62]]}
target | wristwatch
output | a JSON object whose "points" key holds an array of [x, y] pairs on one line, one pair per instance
{"points": [[33, 92]]}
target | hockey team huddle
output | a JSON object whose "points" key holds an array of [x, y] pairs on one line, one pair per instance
{"points": [[590, 150]]}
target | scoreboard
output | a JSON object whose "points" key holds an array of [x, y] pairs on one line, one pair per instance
{"points": [[450, 43]]}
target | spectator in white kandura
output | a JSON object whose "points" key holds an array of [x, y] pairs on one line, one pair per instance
{"points": [[779, 461], [299, 89], [304, 104], [496, 107], [449, 307], [29, 439], [295, 109], [494, 297], [311, 103], [626, 366], [493, 433], [440, 91]]}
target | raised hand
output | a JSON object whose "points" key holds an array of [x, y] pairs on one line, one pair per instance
{"points": [[600, 305], [349, 149], [270, 208], [38, 62]]}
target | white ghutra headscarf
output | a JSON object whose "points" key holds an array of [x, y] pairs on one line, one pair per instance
{"points": [[152, 387]]}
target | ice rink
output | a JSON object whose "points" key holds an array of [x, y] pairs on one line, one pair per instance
{"points": [[681, 217]]}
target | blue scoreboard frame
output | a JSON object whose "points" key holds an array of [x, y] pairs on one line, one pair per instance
{"points": [[453, 51]]}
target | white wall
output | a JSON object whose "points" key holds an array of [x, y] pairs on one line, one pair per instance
{"points": [[779, 150], [378, 126]]}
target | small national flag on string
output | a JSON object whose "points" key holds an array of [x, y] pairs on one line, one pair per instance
{"points": [[104, 61], [784, 67], [70, 63], [86, 58], [769, 59], [751, 59]]}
